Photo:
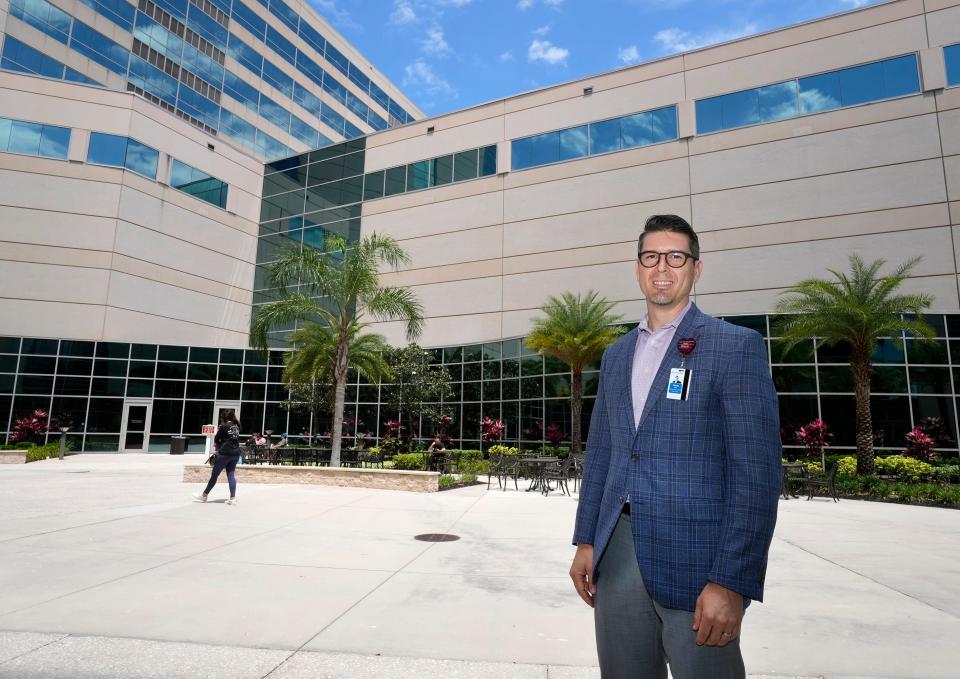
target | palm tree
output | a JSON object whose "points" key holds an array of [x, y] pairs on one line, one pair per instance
{"points": [[575, 330], [307, 369], [856, 308], [337, 288]]}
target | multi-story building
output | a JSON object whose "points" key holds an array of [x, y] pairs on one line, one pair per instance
{"points": [[272, 77], [788, 151]]}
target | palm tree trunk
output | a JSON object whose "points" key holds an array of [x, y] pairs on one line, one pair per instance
{"points": [[340, 390], [576, 408], [860, 365]]}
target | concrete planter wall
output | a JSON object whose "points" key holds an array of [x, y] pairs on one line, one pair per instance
{"points": [[13, 456], [385, 479]]}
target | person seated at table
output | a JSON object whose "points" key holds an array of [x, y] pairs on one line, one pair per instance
{"points": [[436, 446], [256, 439], [282, 443]]}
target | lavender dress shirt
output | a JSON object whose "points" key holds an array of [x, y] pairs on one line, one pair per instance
{"points": [[651, 347]]}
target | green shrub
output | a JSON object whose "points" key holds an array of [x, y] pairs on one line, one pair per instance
{"points": [[35, 453], [947, 494], [468, 478], [904, 468], [500, 449], [847, 465], [947, 473], [18, 446], [447, 480], [473, 466], [469, 454], [409, 461]]}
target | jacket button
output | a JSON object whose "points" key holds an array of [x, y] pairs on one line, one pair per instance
{"points": [[635, 455]]}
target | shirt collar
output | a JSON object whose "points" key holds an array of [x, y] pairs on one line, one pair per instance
{"points": [[645, 324]]}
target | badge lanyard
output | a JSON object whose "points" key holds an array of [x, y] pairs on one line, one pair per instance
{"points": [[679, 385]]}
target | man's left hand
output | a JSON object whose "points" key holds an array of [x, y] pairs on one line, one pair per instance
{"points": [[718, 615]]}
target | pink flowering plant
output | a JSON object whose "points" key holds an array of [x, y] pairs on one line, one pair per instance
{"points": [[31, 428], [816, 436], [491, 430], [920, 445]]}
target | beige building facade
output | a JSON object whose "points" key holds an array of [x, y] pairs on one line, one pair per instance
{"points": [[774, 201]]}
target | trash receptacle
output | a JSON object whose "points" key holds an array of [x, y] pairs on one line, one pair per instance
{"points": [[178, 444]]}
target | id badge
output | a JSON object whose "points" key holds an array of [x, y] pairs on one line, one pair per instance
{"points": [[679, 385]]}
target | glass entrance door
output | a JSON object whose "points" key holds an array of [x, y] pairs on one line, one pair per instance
{"points": [[135, 431], [221, 407]]}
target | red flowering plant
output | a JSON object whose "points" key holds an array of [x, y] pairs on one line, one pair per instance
{"points": [[395, 440], [920, 445], [491, 430], [554, 434], [443, 430], [31, 429], [816, 436]]}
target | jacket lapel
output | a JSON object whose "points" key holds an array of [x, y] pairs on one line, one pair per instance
{"points": [[689, 327], [626, 390]]}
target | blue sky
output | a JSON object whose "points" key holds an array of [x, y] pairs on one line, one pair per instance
{"points": [[452, 54]]}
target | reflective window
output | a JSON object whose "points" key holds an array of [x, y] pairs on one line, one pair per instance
{"points": [[23, 58], [206, 26], [951, 56], [245, 54], [119, 12], [117, 151], [152, 80], [98, 47], [281, 45], [275, 113], [43, 16], [34, 139], [604, 136], [303, 132], [74, 76], [285, 14], [312, 37], [823, 92], [198, 184], [465, 165], [249, 19], [198, 106], [242, 91], [280, 80]]}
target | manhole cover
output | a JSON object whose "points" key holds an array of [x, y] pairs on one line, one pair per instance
{"points": [[436, 537]]}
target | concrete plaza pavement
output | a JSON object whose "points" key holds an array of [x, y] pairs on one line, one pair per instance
{"points": [[108, 570]]}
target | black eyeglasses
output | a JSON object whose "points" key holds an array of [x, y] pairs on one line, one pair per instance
{"points": [[675, 258]]}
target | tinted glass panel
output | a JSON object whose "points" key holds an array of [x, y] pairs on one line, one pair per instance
{"points": [[198, 184], [107, 149], [465, 165], [951, 55]]}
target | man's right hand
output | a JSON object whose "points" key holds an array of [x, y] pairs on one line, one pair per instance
{"points": [[581, 572]]}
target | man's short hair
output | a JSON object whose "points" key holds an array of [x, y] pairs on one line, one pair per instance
{"points": [[674, 224]]}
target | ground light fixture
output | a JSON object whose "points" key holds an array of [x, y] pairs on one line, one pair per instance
{"points": [[63, 440]]}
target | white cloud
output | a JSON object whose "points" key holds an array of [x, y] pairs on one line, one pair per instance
{"points": [[544, 50], [855, 3], [419, 75], [506, 56], [542, 31], [435, 43], [402, 13], [676, 40], [335, 14], [527, 4], [629, 55]]}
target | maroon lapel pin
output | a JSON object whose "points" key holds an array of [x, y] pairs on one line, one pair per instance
{"points": [[685, 345]]}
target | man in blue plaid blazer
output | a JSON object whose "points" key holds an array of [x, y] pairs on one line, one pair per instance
{"points": [[679, 494]]}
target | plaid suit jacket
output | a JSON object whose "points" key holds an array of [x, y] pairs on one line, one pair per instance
{"points": [[702, 475]]}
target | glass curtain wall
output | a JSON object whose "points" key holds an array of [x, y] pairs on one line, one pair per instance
{"points": [[501, 380]]}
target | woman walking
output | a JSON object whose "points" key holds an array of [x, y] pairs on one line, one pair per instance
{"points": [[227, 444]]}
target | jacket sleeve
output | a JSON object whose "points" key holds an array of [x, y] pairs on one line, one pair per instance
{"points": [[751, 433], [596, 465]]}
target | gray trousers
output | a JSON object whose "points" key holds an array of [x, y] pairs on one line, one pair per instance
{"points": [[637, 637]]}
